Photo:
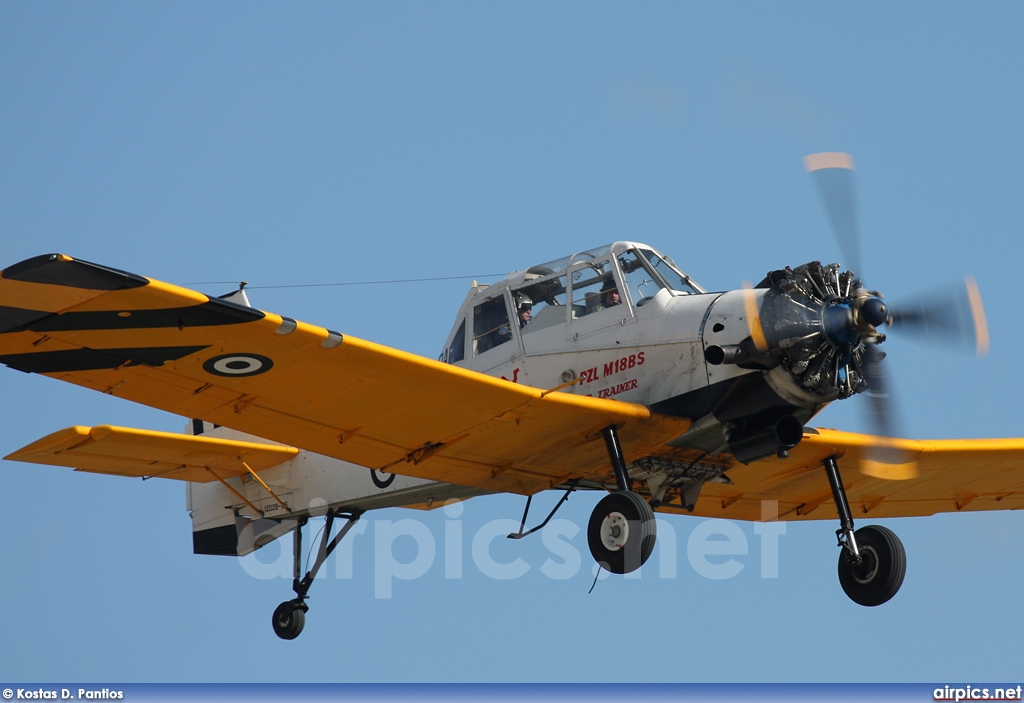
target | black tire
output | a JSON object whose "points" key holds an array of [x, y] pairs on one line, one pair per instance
{"points": [[883, 565], [289, 619], [622, 532]]}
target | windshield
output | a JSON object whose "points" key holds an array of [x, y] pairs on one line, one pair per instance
{"points": [[672, 277], [640, 280]]}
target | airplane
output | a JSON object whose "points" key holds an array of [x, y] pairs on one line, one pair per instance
{"points": [[610, 370]]}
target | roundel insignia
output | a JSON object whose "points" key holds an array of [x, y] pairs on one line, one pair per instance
{"points": [[238, 365], [381, 482]]}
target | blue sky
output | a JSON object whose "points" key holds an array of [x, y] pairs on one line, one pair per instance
{"points": [[338, 142]]}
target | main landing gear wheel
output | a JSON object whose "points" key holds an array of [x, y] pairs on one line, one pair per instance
{"points": [[879, 574], [289, 619], [622, 532]]}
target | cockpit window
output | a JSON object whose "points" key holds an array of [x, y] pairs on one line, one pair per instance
{"points": [[456, 351], [669, 274], [490, 324], [594, 289], [546, 298]]}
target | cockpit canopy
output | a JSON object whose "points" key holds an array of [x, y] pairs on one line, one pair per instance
{"points": [[581, 289]]}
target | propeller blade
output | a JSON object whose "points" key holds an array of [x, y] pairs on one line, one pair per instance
{"points": [[884, 460], [889, 468], [753, 318], [956, 317], [833, 172]]}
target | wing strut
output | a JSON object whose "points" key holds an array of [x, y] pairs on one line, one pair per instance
{"points": [[522, 524], [266, 487], [241, 497]]}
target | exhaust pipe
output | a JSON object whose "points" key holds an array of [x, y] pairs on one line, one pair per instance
{"points": [[744, 354]]}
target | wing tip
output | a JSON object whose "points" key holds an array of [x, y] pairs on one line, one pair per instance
{"points": [[62, 270]]}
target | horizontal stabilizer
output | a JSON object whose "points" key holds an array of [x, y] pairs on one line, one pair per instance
{"points": [[123, 451]]}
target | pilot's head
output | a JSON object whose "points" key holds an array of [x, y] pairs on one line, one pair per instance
{"points": [[610, 293], [524, 308]]}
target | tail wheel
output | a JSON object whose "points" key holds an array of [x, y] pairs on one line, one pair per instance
{"points": [[879, 574], [621, 532], [289, 619]]}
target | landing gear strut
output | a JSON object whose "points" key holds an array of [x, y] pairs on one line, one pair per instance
{"points": [[290, 617], [873, 561], [622, 529]]}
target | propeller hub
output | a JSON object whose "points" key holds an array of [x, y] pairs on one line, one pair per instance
{"points": [[874, 311], [840, 326]]}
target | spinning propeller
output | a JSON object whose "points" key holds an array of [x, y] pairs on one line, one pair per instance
{"points": [[944, 317], [824, 324]]}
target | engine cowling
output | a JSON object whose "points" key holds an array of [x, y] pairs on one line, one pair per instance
{"points": [[807, 330]]}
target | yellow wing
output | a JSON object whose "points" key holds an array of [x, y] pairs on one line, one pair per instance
{"points": [[305, 386], [952, 475], [123, 451], [308, 387]]}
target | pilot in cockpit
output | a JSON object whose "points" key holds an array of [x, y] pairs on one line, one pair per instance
{"points": [[524, 309], [609, 295]]}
